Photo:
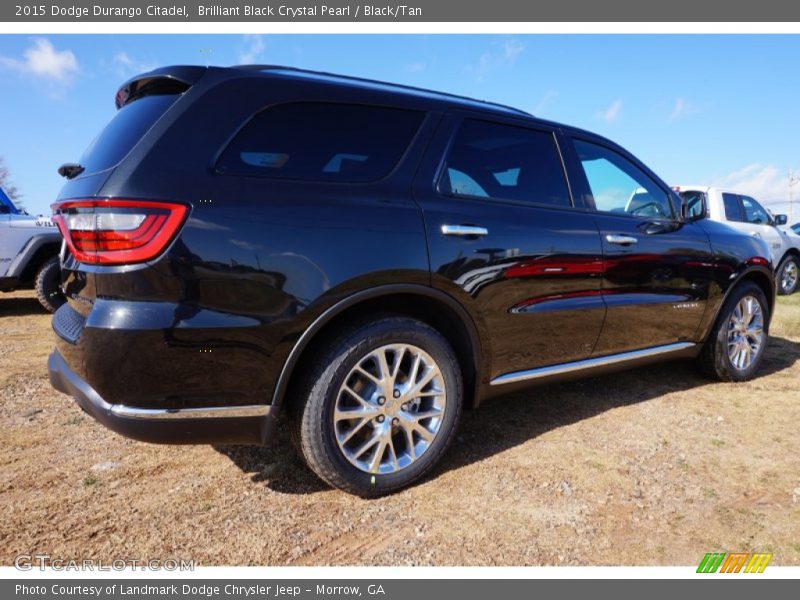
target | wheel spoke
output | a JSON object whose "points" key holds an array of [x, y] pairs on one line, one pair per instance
{"points": [[362, 371], [354, 430], [427, 414], [366, 445], [369, 429], [375, 463], [426, 379], [383, 366]]}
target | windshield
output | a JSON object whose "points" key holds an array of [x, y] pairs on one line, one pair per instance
{"points": [[6, 201]]}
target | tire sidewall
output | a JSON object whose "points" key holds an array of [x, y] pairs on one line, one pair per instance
{"points": [[784, 263], [362, 343], [722, 359], [48, 285]]}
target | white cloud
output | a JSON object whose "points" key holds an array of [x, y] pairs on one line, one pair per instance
{"points": [[766, 183], [128, 65], [43, 61], [501, 55], [544, 102], [416, 67], [682, 109], [612, 112], [254, 48]]}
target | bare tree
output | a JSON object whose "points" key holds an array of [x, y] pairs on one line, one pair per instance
{"points": [[9, 188]]}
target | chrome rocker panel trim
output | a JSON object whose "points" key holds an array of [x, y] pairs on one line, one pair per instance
{"points": [[589, 363]]}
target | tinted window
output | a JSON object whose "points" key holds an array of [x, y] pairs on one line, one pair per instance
{"points": [[488, 160], [322, 142], [127, 127], [754, 212], [733, 210], [695, 203], [619, 186]]}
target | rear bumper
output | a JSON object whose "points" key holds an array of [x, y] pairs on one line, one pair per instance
{"points": [[207, 425]]}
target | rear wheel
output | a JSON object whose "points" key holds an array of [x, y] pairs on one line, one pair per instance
{"points": [[737, 343], [380, 406], [788, 275], [48, 285]]}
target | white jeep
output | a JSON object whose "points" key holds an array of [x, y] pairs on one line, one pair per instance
{"points": [[29, 254], [745, 214]]}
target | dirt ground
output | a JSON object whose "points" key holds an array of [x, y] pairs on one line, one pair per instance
{"points": [[655, 466]]}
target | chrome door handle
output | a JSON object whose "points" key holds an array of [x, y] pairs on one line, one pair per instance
{"points": [[614, 238], [464, 230]]}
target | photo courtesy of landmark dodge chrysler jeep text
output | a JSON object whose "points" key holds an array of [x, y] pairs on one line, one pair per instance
{"points": [[371, 260]]}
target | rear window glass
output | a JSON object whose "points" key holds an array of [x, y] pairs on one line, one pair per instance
{"points": [[321, 142], [127, 127]]}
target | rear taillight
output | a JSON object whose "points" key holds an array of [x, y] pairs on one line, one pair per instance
{"points": [[116, 232]]}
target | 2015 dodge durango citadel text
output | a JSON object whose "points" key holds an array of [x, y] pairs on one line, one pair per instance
{"points": [[370, 259]]}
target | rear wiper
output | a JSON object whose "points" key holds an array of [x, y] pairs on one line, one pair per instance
{"points": [[71, 170]]}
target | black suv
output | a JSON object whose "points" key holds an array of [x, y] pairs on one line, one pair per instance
{"points": [[371, 259]]}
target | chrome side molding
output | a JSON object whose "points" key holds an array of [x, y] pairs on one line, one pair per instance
{"points": [[216, 412], [589, 363]]}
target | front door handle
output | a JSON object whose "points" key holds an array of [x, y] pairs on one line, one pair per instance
{"points": [[623, 240], [464, 230]]}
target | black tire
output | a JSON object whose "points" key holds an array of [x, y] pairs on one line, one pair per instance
{"points": [[787, 263], [714, 360], [312, 403], [48, 285]]}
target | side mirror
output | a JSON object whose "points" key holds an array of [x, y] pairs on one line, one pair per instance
{"points": [[780, 220], [693, 208]]}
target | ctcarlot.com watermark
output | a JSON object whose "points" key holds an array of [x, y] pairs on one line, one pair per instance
{"points": [[43, 562]]}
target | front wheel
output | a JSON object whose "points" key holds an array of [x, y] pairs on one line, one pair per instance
{"points": [[738, 340], [48, 285], [788, 275], [379, 407]]}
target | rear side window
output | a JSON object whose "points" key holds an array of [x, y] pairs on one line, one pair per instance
{"points": [[127, 127], [321, 142], [733, 210], [489, 160]]}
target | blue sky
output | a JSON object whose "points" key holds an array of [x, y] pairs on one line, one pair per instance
{"points": [[697, 109]]}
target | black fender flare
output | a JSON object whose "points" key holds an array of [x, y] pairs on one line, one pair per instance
{"points": [[339, 307], [29, 250]]}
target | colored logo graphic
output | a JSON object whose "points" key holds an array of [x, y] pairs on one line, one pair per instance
{"points": [[744, 562]]}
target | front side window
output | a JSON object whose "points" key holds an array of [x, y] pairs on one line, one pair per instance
{"points": [[502, 162], [754, 212], [315, 141], [733, 209], [619, 186]]}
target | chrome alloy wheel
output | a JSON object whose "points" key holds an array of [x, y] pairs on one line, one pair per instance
{"points": [[390, 408], [789, 275], [745, 332]]}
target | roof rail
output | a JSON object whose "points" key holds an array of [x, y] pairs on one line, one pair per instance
{"points": [[399, 86]]}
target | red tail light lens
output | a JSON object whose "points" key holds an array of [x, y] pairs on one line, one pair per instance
{"points": [[117, 232]]}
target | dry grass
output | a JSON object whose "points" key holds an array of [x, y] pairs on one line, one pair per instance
{"points": [[653, 466]]}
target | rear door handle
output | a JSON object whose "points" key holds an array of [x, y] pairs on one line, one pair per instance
{"points": [[464, 230], [624, 240]]}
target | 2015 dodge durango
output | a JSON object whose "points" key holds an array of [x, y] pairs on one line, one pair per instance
{"points": [[371, 260]]}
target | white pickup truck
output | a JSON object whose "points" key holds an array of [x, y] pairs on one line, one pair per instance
{"points": [[745, 214], [29, 249]]}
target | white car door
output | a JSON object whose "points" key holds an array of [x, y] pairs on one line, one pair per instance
{"points": [[760, 225]]}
